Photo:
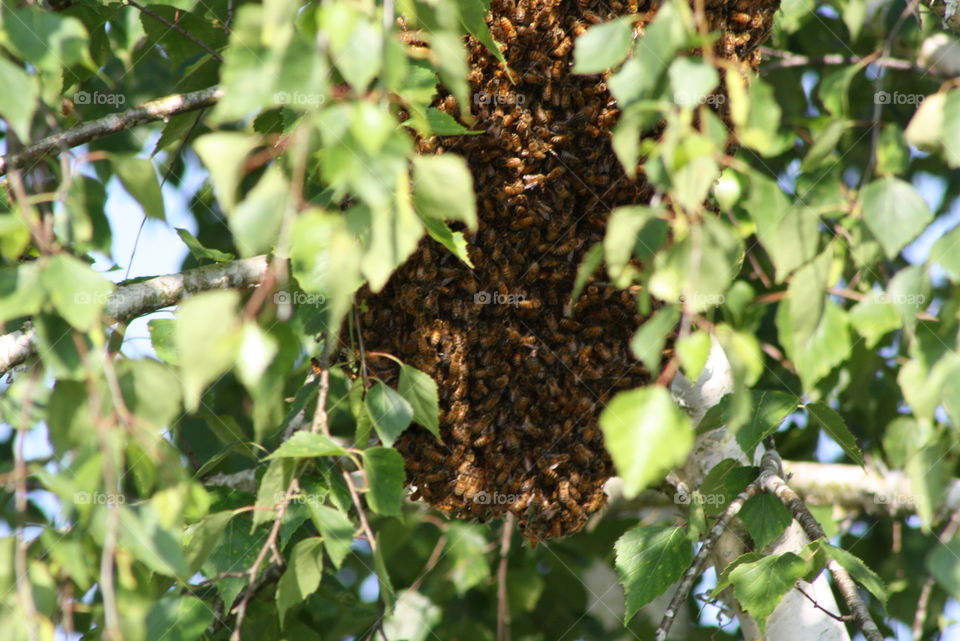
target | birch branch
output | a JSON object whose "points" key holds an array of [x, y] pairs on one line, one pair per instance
{"points": [[158, 109], [137, 299]]}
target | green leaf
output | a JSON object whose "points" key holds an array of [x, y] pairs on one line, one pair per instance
{"points": [[603, 46], [760, 586], [443, 124], [929, 478], [204, 537], [823, 144], [466, 547], [48, 40], [358, 54], [336, 528], [874, 317], [620, 239], [272, 490], [390, 412], [770, 408], [647, 344], [18, 99], [412, 618], [302, 576], [420, 391], [765, 518], [178, 618], [208, 331], [944, 253], [20, 291], [693, 351], [649, 559], [828, 346], [835, 90], [450, 58], [307, 445], [454, 241], [943, 563], [139, 178], [831, 422], [646, 435], [592, 259], [148, 542], [225, 154], [385, 476], [697, 270], [443, 189], [77, 292], [761, 129], [858, 570], [69, 417], [894, 212], [325, 259], [162, 333], [256, 221], [723, 483], [151, 391], [473, 13], [692, 80]]}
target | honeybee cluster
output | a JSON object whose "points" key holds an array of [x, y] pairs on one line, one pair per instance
{"points": [[523, 377]]}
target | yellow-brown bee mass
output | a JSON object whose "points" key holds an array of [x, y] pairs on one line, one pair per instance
{"points": [[521, 382]]}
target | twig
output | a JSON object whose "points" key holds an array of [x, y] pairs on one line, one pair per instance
{"points": [[21, 560], [95, 129], [319, 424], [503, 602], [432, 561], [690, 576], [786, 60], [772, 482], [817, 606], [949, 530], [176, 27], [270, 544], [139, 298]]}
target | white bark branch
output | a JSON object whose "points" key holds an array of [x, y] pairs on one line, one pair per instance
{"points": [[114, 123], [137, 299]]}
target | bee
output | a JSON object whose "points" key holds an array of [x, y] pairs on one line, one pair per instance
{"points": [[461, 433], [520, 504], [740, 17], [590, 432], [483, 440], [513, 188], [593, 332], [511, 440], [436, 477], [563, 48], [434, 455], [597, 499], [569, 324], [581, 453], [530, 303], [532, 181], [509, 33], [592, 17], [458, 412], [563, 491], [501, 382], [514, 163]]}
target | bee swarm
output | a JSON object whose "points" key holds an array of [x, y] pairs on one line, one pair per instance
{"points": [[522, 384]]}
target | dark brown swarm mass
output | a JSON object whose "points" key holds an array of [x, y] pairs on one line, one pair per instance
{"points": [[522, 383]]}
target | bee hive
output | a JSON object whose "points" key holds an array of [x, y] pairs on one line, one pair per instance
{"points": [[521, 383]]}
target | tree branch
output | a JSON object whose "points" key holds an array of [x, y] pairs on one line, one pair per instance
{"points": [[114, 123], [139, 298], [772, 482]]}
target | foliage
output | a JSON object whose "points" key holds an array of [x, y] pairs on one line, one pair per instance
{"points": [[154, 490]]}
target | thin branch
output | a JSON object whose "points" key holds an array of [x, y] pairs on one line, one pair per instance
{"points": [[176, 27], [21, 558], [503, 602], [270, 544], [154, 110], [696, 568], [949, 530], [772, 482], [140, 298], [787, 59]]}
